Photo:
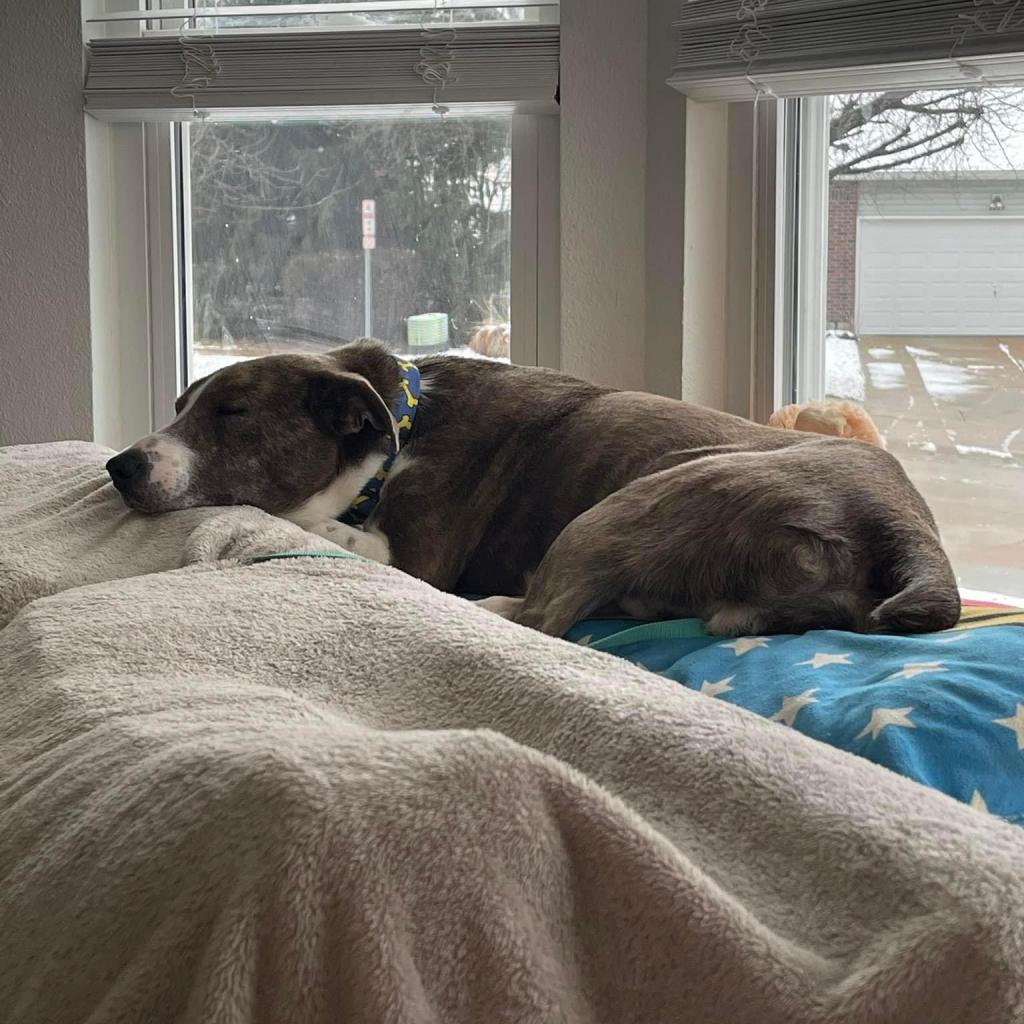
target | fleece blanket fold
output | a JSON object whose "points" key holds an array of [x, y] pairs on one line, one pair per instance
{"points": [[316, 790], [63, 525]]}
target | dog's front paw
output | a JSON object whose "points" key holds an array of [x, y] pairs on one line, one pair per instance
{"points": [[359, 542]]}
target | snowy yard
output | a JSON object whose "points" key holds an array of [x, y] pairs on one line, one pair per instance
{"points": [[952, 410]]}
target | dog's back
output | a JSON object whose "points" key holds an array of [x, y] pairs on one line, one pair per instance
{"points": [[515, 454]]}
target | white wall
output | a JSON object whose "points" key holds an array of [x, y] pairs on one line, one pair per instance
{"points": [[644, 258], [603, 161], [45, 363], [958, 196], [739, 268], [665, 216], [705, 278], [118, 269]]}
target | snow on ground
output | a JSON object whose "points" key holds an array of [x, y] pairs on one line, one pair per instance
{"points": [[973, 449], [209, 360], [844, 377], [951, 380], [887, 376]]}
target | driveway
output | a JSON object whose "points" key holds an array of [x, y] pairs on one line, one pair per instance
{"points": [[952, 410]]}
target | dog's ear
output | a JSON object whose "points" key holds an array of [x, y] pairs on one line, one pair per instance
{"points": [[182, 400], [345, 404]]}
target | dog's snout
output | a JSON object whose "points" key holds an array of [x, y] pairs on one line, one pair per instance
{"points": [[128, 469]]}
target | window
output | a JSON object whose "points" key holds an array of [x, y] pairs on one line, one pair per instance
{"points": [[315, 172], [323, 14], [282, 258], [922, 278], [887, 263]]}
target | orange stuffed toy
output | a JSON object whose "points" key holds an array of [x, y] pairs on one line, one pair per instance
{"points": [[836, 419]]}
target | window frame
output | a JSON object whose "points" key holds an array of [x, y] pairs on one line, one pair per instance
{"points": [[789, 175], [794, 182], [168, 269], [810, 272], [153, 284], [785, 171]]}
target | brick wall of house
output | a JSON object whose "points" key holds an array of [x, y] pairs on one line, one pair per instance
{"points": [[842, 253]]}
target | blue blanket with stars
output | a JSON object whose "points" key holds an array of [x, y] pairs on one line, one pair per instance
{"points": [[945, 709]]}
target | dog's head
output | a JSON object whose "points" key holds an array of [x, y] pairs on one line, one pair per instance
{"points": [[271, 432]]}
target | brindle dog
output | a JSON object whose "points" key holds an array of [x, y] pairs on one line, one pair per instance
{"points": [[503, 458]]}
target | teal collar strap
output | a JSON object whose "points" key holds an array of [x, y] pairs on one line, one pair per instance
{"points": [[404, 412]]}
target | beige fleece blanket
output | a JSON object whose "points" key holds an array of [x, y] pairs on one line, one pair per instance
{"points": [[63, 525], [320, 791]]}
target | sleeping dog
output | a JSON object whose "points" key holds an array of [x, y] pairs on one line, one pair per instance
{"points": [[464, 472]]}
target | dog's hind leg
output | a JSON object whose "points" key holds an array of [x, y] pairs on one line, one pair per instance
{"points": [[580, 573], [506, 607], [549, 612], [556, 613]]}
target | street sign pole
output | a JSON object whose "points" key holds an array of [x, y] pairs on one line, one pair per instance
{"points": [[369, 209], [367, 295]]}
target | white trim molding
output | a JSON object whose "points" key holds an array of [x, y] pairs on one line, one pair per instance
{"points": [[787, 249], [811, 276], [535, 242], [1002, 69], [168, 264], [764, 376]]}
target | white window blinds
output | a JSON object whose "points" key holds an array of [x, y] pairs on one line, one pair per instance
{"points": [[281, 59], [735, 49]]}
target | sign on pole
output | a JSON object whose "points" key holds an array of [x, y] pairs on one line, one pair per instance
{"points": [[369, 224]]}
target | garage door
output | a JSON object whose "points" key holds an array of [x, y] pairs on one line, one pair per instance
{"points": [[952, 276]]}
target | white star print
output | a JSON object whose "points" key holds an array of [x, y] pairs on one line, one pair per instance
{"points": [[714, 689], [792, 706], [1014, 724], [917, 668], [952, 639], [978, 802], [883, 717], [821, 660], [746, 643], [584, 641]]}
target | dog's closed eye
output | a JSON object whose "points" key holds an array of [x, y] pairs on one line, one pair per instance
{"points": [[231, 410]]}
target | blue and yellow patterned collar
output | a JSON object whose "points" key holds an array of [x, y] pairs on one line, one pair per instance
{"points": [[404, 412]]}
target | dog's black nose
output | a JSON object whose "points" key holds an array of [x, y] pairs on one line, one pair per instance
{"points": [[128, 469]]}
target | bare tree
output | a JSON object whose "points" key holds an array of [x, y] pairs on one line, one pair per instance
{"points": [[933, 130], [276, 230], [242, 168]]}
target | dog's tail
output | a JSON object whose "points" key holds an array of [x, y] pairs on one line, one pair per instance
{"points": [[925, 597]]}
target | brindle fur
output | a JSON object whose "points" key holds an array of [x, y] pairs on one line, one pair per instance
{"points": [[503, 458], [775, 542]]}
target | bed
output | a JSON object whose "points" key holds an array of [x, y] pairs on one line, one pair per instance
{"points": [[248, 778]]}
